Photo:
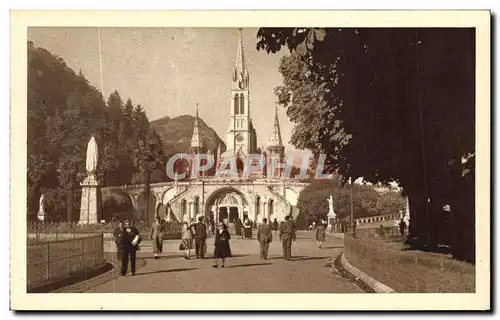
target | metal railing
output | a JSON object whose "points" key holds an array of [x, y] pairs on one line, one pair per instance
{"points": [[49, 259]]}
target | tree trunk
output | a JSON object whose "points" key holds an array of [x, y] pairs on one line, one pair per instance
{"points": [[463, 211], [69, 205]]}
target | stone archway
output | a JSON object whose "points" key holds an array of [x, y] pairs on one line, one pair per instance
{"points": [[227, 204], [149, 216], [116, 204]]}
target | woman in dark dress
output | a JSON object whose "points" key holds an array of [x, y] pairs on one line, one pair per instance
{"points": [[222, 249], [320, 233]]}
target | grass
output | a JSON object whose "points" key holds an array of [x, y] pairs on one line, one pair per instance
{"points": [[386, 259]]}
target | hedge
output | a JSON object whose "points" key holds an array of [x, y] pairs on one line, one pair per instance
{"points": [[172, 229]]}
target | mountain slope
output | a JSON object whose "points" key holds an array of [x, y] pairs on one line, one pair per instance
{"points": [[176, 134]]}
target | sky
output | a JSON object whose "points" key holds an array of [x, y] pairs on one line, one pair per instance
{"points": [[169, 70]]}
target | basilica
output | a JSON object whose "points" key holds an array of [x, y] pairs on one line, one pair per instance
{"points": [[223, 199]]}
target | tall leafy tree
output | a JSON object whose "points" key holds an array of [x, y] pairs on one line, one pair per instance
{"points": [[388, 104], [148, 156]]}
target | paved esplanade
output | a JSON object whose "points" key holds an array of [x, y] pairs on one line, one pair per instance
{"points": [[308, 272]]}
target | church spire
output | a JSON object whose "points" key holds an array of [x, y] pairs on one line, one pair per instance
{"points": [[240, 55], [276, 129], [240, 76], [275, 144], [196, 139]]}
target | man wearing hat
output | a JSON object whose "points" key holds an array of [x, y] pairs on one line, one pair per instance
{"points": [[200, 236], [130, 240], [264, 236], [287, 234]]}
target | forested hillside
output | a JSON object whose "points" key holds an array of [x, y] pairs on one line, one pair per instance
{"points": [[64, 111]]}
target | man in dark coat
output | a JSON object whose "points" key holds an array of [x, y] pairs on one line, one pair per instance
{"points": [[265, 236], [200, 236], [130, 240], [287, 234]]}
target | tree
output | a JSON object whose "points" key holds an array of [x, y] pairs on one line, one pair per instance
{"points": [[312, 201], [148, 156], [64, 111], [378, 103]]}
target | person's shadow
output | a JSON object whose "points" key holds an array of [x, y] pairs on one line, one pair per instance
{"points": [[248, 265], [165, 271]]}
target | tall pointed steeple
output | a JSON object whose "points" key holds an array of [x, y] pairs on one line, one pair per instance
{"points": [[275, 144], [276, 129], [240, 72], [196, 143]]}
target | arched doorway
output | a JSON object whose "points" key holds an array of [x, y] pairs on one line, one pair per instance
{"points": [[166, 210], [227, 204], [270, 209], [117, 204], [229, 208], [142, 215], [196, 208], [183, 213]]}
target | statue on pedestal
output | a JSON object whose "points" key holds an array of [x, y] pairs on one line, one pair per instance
{"points": [[90, 187], [41, 210], [330, 203], [91, 161], [331, 213]]}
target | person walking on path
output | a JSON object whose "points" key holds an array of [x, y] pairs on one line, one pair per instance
{"points": [[402, 227], [275, 226], [222, 249], [117, 233], [264, 236], [186, 240], [287, 234], [200, 237], [130, 240], [320, 233], [156, 236]]}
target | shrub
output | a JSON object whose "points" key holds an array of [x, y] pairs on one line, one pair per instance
{"points": [[172, 229], [312, 200]]}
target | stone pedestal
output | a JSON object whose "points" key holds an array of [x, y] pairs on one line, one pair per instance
{"points": [[89, 207], [331, 219], [41, 215]]}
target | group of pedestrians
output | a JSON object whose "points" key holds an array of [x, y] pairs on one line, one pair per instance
{"points": [[196, 232], [128, 238]]}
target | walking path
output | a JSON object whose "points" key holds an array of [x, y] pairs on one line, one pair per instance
{"points": [[308, 272]]}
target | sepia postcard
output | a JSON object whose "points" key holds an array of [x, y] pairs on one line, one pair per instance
{"points": [[250, 160]]}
